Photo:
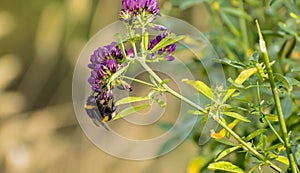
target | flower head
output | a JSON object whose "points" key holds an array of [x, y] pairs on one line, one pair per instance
{"points": [[137, 7], [105, 62], [166, 51]]}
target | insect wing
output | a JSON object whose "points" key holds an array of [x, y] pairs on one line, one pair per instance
{"points": [[93, 112], [206, 131]]}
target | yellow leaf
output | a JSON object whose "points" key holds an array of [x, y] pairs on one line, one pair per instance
{"points": [[222, 133], [243, 76]]}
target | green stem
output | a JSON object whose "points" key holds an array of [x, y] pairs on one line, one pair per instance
{"points": [[139, 81], [276, 98], [273, 129], [143, 41], [243, 25], [261, 113], [168, 89], [247, 146]]}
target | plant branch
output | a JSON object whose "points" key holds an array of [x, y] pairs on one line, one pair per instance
{"points": [[247, 146], [276, 98], [170, 90]]}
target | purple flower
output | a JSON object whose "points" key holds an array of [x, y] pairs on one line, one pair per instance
{"points": [[105, 61], [137, 7], [167, 51]]}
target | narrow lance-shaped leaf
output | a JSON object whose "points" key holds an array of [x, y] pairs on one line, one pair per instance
{"points": [[131, 100], [238, 13], [287, 48], [230, 24], [118, 74], [279, 158], [166, 41], [121, 45], [254, 134], [226, 152], [201, 87], [243, 76], [236, 116], [225, 166], [130, 110], [146, 40]]}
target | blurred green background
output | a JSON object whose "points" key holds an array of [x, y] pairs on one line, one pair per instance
{"points": [[40, 42]]}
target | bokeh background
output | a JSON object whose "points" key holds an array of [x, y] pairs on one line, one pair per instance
{"points": [[40, 42]]}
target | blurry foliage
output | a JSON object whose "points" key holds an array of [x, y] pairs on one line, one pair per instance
{"points": [[40, 42]]}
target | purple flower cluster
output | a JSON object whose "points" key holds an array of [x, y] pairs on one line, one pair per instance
{"points": [[167, 51], [137, 7], [105, 62]]}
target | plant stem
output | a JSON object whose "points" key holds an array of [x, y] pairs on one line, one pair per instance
{"points": [[139, 81], [247, 146], [262, 114], [243, 25], [170, 90], [275, 132], [276, 98]]}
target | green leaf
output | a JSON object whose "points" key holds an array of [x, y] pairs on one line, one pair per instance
{"points": [[243, 76], [279, 158], [272, 117], [235, 84], [287, 106], [225, 142], [262, 142], [153, 80], [287, 81], [118, 74], [131, 110], [164, 82], [201, 87], [235, 64], [254, 134], [283, 160], [226, 152], [272, 2], [237, 116], [166, 41], [131, 100], [287, 48], [121, 45], [238, 13], [230, 24], [146, 40], [225, 166]]}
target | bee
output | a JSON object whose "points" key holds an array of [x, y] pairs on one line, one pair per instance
{"points": [[100, 111]]}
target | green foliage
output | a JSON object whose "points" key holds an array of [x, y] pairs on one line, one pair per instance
{"points": [[131, 110], [225, 166], [131, 100], [235, 38], [202, 88]]}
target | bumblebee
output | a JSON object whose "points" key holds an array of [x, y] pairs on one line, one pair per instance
{"points": [[100, 111]]}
